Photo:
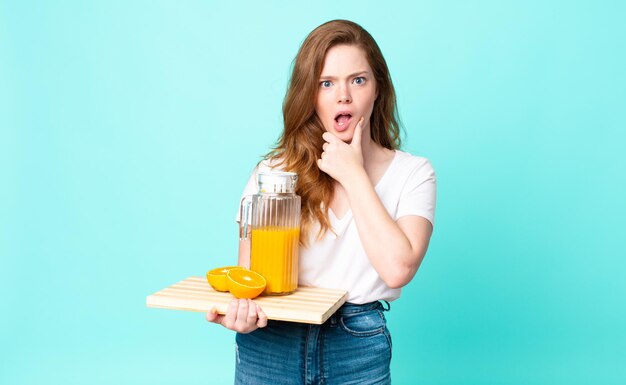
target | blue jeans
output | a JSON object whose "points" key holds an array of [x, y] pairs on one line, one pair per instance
{"points": [[352, 347]]}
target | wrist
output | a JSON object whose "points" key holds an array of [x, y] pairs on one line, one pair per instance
{"points": [[356, 182]]}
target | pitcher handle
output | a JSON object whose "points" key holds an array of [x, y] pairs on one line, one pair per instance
{"points": [[244, 217]]}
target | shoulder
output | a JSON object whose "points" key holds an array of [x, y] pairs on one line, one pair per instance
{"points": [[413, 164], [266, 165]]}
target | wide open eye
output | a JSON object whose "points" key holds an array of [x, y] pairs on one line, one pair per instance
{"points": [[326, 83], [359, 80]]}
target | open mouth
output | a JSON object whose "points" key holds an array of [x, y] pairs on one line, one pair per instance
{"points": [[343, 118]]}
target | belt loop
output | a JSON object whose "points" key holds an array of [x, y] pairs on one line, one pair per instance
{"points": [[383, 306], [333, 320]]}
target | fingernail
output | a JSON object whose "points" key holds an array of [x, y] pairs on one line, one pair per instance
{"points": [[213, 309]]}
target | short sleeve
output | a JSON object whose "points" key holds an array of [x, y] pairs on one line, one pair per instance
{"points": [[419, 192]]}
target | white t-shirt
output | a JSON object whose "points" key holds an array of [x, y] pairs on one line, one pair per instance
{"points": [[338, 261]]}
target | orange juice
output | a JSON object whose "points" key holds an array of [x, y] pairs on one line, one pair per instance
{"points": [[274, 255]]}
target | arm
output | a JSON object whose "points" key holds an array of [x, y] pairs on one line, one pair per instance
{"points": [[395, 248], [244, 253]]}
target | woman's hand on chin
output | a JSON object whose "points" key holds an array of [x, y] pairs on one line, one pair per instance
{"points": [[341, 160]]}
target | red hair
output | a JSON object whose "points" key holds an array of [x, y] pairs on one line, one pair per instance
{"points": [[300, 144]]}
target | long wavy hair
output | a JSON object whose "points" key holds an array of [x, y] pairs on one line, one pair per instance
{"points": [[300, 144]]}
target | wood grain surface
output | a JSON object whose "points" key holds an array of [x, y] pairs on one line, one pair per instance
{"points": [[307, 304]]}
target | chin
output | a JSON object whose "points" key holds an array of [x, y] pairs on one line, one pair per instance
{"points": [[346, 138], [343, 135], [346, 135]]}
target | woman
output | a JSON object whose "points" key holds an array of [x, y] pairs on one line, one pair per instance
{"points": [[367, 215]]}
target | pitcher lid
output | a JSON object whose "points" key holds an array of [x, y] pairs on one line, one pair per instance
{"points": [[279, 182]]}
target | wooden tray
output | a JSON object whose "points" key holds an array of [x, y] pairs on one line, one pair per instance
{"points": [[307, 304]]}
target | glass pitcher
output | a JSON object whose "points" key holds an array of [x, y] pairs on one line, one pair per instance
{"points": [[271, 220]]}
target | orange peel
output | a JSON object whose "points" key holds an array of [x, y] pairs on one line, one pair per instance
{"points": [[217, 277], [244, 283]]}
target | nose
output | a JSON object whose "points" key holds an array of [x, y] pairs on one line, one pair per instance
{"points": [[344, 95], [345, 99]]}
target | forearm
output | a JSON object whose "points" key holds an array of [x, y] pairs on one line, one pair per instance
{"points": [[387, 247], [244, 253]]}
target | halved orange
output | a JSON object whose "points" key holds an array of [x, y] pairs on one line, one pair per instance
{"points": [[244, 283], [217, 277]]}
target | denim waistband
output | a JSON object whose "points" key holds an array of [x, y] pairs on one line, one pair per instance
{"points": [[351, 308]]}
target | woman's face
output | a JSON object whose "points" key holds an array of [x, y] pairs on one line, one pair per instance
{"points": [[347, 91]]}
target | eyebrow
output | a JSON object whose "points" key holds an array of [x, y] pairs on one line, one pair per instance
{"points": [[350, 76]]}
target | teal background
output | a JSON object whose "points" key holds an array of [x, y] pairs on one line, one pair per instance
{"points": [[128, 130]]}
